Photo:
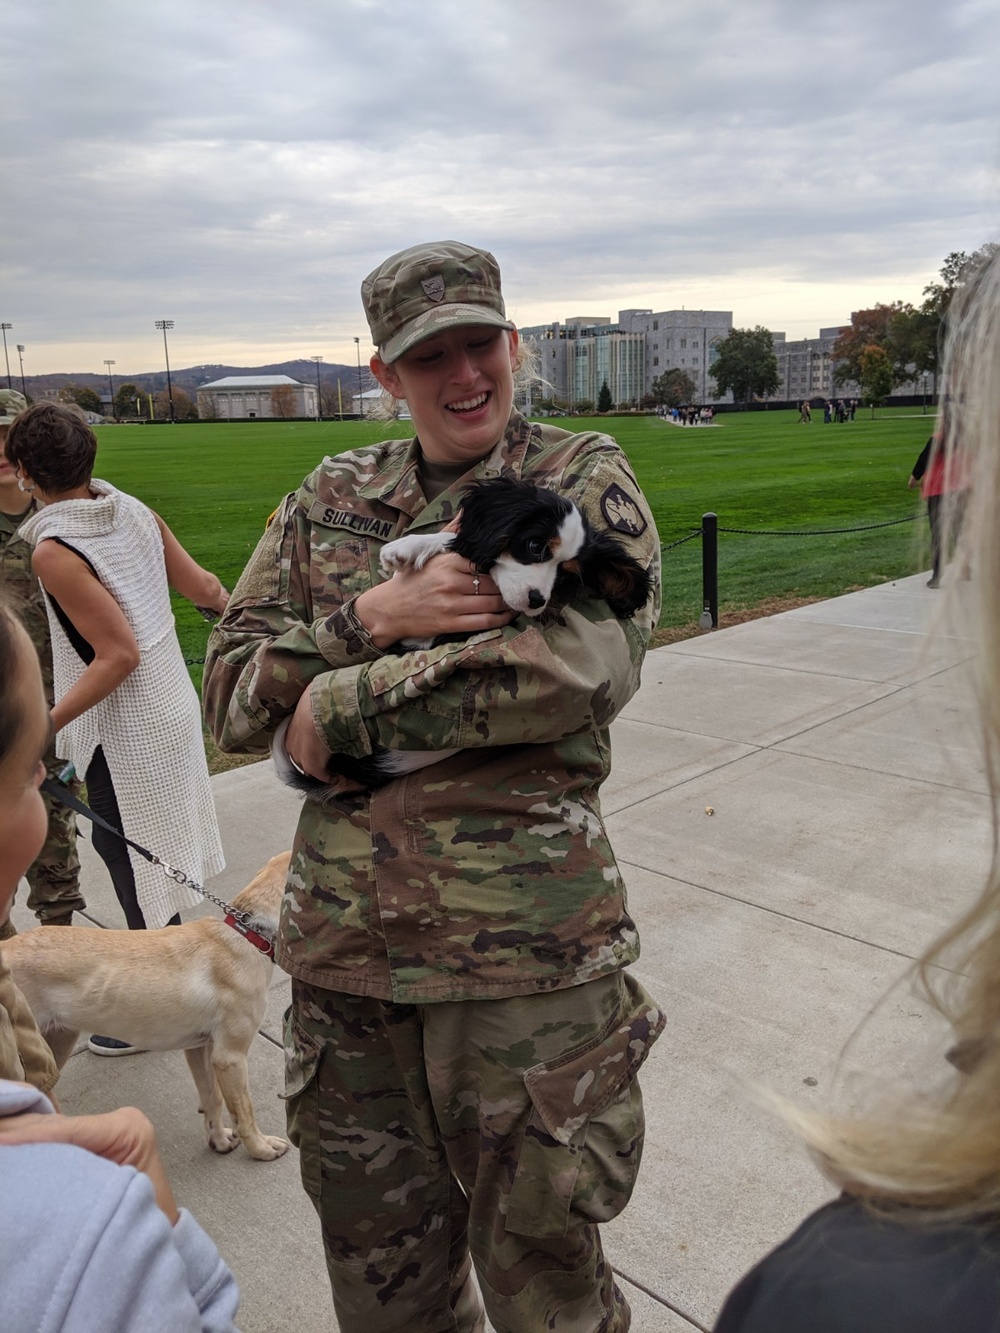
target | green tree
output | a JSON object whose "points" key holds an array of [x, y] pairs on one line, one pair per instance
{"points": [[125, 396], [746, 364], [912, 336], [957, 271], [83, 397], [184, 408], [604, 400], [913, 342], [673, 388], [868, 328], [875, 375]]}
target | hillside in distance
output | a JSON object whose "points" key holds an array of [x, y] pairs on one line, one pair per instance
{"points": [[191, 378]]}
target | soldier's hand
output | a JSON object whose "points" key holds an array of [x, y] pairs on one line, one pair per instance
{"points": [[303, 744], [447, 596]]}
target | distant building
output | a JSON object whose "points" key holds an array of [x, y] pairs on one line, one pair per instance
{"points": [[241, 397], [807, 369], [579, 355]]}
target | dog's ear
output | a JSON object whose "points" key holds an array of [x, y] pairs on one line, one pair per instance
{"points": [[490, 515], [607, 568]]}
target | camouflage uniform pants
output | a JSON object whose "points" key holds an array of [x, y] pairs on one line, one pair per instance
{"points": [[508, 1128], [54, 877]]}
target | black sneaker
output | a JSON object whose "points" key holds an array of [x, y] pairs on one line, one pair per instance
{"points": [[110, 1046]]}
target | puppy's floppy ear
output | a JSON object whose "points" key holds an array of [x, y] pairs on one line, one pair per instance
{"points": [[489, 516], [607, 568]]}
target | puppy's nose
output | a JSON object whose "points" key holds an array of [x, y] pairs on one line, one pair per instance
{"points": [[535, 600]]}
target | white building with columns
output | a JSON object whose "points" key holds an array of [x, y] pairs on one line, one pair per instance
{"points": [[243, 397]]}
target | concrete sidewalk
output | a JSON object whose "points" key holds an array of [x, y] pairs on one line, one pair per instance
{"points": [[850, 822]]}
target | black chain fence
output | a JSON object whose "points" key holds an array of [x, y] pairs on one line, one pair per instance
{"points": [[681, 540], [788, 532], [814, 532], [709, 534]]}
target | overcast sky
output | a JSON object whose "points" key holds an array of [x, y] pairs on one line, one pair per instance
{"points": [[238, 166]]}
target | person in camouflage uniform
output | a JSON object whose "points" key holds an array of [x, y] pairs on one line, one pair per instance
{"points": [[463, 1042], [54, 878]]}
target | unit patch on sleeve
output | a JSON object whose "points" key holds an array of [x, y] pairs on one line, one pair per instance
{"points": [[621, 512]]}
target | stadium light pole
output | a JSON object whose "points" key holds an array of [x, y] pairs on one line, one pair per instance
{"points": [[357, 344], [111, 386], [3, 329], [20, 358], [319, 396], [165, 324]]}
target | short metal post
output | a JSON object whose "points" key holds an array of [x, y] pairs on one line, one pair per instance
{"points": [[709, 618]]}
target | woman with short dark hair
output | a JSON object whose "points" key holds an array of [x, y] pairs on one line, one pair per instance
{"points": [[126, 713]]}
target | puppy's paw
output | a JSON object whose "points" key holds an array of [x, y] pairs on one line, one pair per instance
{"points": [[222, 1140], [414, 551], [267, 1147]]}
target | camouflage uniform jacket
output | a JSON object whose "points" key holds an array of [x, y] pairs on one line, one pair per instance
{"points": [[24, 1053], [488, 874], [19, 583]]}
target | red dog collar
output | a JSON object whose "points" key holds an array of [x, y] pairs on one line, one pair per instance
{"points": [[258, 941]]}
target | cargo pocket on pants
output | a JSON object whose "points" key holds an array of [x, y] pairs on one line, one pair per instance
{"points": [[583, 1140], [302, 1056]]}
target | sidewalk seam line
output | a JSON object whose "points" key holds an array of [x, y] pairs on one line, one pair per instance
{"points": [[774, 911]]}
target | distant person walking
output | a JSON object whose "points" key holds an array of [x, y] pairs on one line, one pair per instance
{"points": [[805, 413], [943, 484]]}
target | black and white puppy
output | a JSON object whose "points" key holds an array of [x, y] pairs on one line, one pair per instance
{"points": [[526, 538]]}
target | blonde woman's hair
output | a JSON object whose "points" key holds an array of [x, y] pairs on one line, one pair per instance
{"points": [[938, 1150], [526, 372]]}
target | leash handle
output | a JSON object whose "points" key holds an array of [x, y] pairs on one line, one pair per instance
{"points": [[66, 797]]}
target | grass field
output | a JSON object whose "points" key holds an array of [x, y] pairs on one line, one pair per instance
{"points": [[216, 484]]}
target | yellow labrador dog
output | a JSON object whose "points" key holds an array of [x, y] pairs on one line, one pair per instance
{"points": [[200, 987]]}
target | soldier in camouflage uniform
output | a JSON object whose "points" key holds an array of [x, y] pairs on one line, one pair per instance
{"points": [[463, 1041], [54, 879]]}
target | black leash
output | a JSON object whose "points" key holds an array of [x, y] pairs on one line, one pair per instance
{"points": [[61, 793]]}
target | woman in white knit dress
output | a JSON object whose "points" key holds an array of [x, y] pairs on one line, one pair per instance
{"points": [[126, 713]]}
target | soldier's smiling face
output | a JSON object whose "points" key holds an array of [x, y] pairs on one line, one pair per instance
{"points": [[459, 388]]}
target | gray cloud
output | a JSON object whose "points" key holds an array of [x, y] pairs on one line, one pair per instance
{"points": [[239, 166]]}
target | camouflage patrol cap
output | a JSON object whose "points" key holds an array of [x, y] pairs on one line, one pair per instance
{"points": [[428, 288], [11, 403]]}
